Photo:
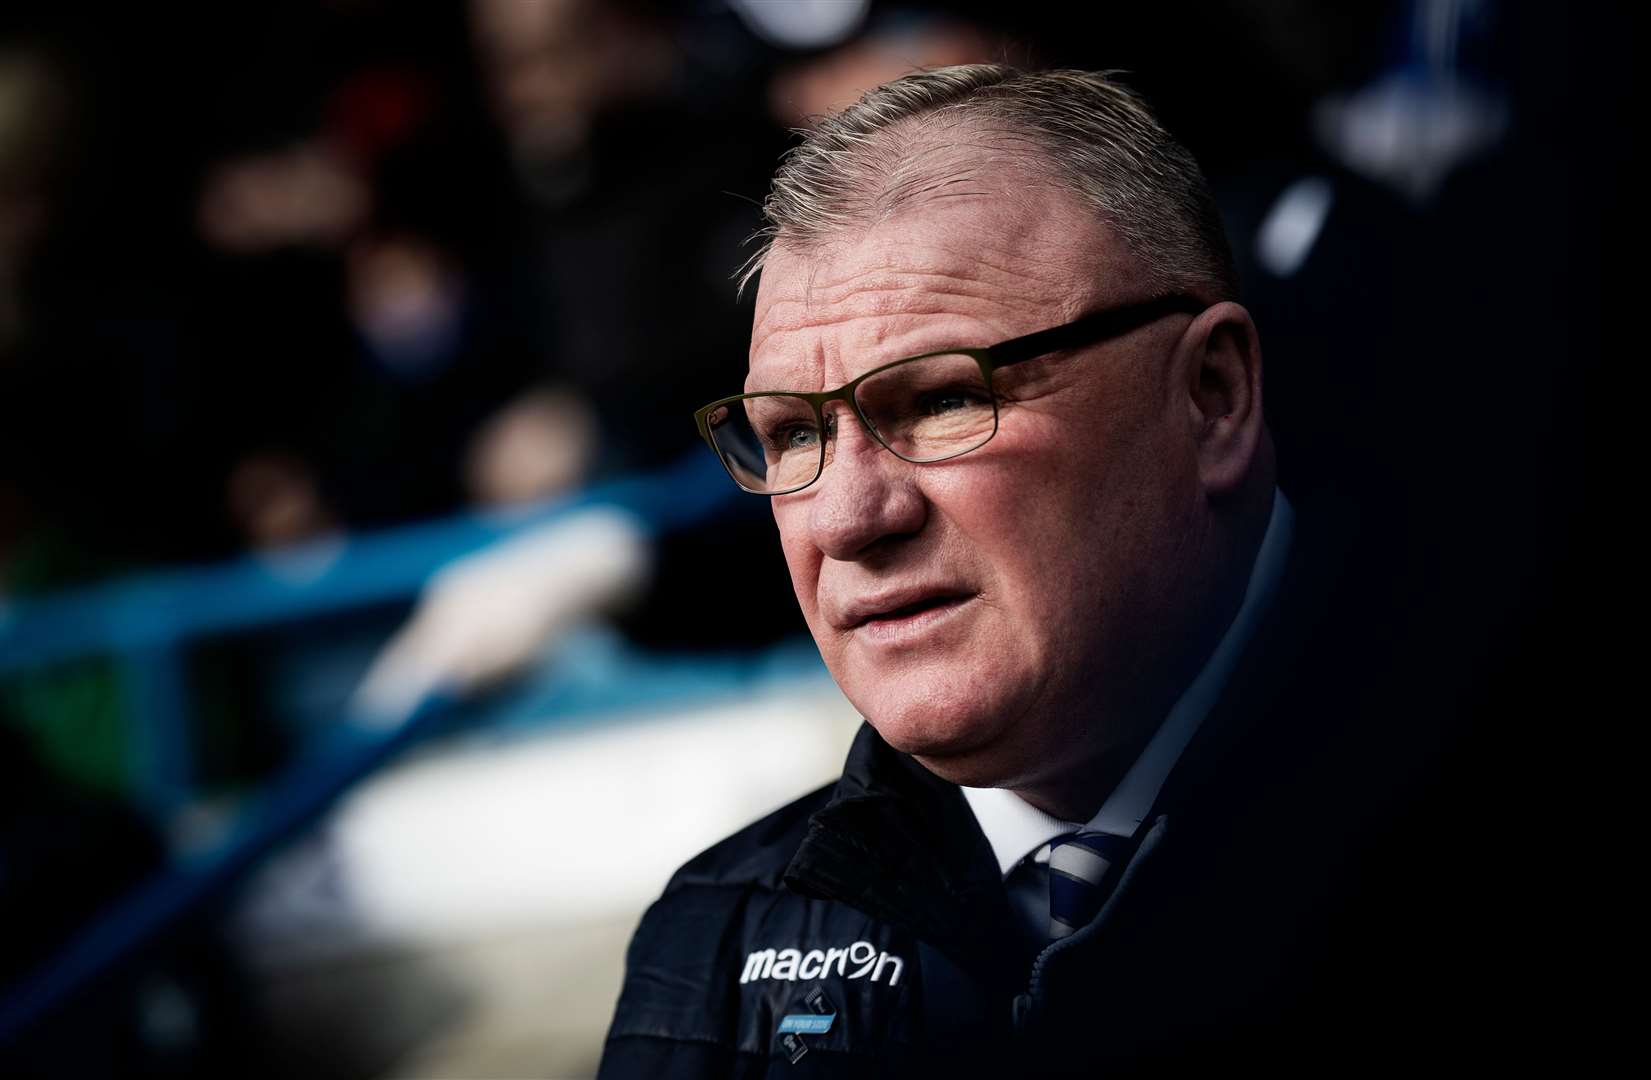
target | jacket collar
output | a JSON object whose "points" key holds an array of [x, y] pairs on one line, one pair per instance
{"points": [[1253, 736], [899, 843]]}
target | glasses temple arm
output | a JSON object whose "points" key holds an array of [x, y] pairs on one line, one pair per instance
{"points": [[1090, 329]]}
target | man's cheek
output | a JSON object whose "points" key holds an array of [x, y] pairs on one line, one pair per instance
{"points": [[805, 580]]}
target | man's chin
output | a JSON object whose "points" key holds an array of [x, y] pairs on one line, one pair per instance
{"points": [[970, 769], [970, 754]]}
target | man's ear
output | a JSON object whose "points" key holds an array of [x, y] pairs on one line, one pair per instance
{"points": [[1223, 367]]}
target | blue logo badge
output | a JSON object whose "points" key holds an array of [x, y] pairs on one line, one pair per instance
{"points": [[805, 1024]]}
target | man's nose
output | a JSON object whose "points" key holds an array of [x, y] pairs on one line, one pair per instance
{"points": [[865, 495]]}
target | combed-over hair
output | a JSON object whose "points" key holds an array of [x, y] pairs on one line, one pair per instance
{"points": [[1084, 130]]}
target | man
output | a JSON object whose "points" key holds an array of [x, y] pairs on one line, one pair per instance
{"points": [[1009, 414]]}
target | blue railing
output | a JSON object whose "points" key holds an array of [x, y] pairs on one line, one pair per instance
{"points": [[150, 622]]}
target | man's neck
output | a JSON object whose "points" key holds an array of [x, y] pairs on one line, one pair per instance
{"points": [[1131, 773], [1077, 794]]}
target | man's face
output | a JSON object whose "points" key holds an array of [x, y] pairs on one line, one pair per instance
{"points": [[999, 611]]}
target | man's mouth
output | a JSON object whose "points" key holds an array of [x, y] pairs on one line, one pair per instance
{"points": [[916, 608], [896, 608]]}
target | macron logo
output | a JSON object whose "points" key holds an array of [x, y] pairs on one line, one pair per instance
{"points": [[793, 964]]}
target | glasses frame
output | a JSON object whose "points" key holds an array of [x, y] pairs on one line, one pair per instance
{"points": [[1086, 330]]}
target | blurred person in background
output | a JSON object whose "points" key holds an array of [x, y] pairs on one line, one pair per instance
{"points": [[370, 345], [637, 162]]}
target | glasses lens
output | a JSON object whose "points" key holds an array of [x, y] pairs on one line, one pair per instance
{"points": [[929, 409], [770, 443]]}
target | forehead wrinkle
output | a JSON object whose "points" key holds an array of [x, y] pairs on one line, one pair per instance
{"points": [[1007, 259], [900, 293], [897, 293], [877, 317], [875, 306], [861, 336]]}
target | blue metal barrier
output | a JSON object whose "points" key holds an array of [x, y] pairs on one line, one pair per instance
{"points": [[149, 621], [150, 911], [321, 577]]}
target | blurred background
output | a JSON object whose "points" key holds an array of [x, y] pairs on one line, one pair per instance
{"points": [[375, 636]]}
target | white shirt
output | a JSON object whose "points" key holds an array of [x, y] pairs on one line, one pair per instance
{"points": [[1019, 832]]}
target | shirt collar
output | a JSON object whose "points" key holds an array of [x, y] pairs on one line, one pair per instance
{"points": [[1016, 829]]}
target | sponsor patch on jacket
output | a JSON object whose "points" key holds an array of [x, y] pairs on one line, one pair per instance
{"points": [[807, 1024], [860, 960]]}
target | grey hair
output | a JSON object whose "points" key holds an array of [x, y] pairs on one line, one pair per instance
{"points": [[1084, 130]]}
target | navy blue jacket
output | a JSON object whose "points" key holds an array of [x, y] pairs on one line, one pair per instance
{"points": [[1282, 908]]}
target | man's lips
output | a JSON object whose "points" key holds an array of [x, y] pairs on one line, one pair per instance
{"points": [[901, 604]]}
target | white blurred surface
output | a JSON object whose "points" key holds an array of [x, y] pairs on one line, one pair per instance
{"points": [[465, 912], [535, 829], [571, 827]]}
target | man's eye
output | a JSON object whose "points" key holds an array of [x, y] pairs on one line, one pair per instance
{"points": [[950, 399], [793, 437]]}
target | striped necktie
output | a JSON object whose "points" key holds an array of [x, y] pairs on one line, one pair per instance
{"points": [[1082, 870]]}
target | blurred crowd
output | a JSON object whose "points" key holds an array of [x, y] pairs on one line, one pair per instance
{"points": [[273, 272], [282, 271]]}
